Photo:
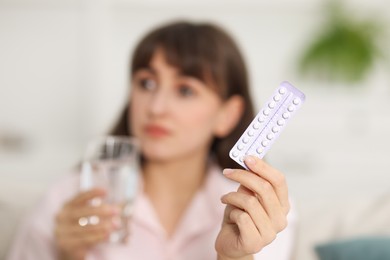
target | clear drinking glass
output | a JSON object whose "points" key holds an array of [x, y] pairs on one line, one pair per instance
{"points": [[112, 162]]}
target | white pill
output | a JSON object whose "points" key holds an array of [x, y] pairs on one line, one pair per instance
{"points": [[296, 101], [261, 119], [268, 124], [275, 129], [280, 122]]}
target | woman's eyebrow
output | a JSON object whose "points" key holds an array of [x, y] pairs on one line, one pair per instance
{"points": [[148, 69], [190, 77]]}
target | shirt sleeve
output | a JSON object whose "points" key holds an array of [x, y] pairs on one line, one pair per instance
{"points": [[282, 247], [35, 237]]}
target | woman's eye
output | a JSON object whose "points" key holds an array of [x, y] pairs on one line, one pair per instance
{"points": [[147, 83], [186, 91]]}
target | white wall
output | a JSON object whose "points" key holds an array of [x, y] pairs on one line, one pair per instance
{"points": [[63, 78]]}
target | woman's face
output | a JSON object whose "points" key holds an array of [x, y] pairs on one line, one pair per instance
{"points": [[173, 115]]}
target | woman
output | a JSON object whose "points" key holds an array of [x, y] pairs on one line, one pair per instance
{"points": [[189, 103]]}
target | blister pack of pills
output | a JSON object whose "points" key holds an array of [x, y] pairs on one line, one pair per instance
{"points": [[266, 127]]}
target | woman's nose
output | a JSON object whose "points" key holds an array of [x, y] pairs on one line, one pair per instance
{"points": [[159, 103]]}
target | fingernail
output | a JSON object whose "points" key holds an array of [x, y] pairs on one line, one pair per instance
{"points": [[249, 160], [227, 171]]}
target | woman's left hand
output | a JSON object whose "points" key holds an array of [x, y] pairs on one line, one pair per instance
{"points": [[255, 213]]}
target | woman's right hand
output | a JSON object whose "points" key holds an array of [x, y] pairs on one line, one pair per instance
{"points": [[74, 239]]}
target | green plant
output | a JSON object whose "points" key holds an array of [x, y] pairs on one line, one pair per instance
{"points": [[344, 50]]}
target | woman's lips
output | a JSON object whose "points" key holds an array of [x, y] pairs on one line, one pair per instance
{"points": [[156, 131]]}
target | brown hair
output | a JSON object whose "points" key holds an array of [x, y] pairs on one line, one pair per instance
{"points": [[204, 51]]}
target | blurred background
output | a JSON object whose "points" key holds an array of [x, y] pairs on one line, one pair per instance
{"points": [[64, 79]]}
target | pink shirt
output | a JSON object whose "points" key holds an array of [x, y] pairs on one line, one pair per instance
{"points": [[193, 239]]}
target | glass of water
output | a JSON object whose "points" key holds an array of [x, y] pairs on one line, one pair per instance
{"points": [[112, 163]]}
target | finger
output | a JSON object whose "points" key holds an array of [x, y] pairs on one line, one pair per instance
{"points": [[84, 240], [249, 240], [72, 214], [262, 188], [226, 214], [73, 232], [252, 206], [247, 203], [245, 190], [102, 212], [273, 176], [83, 197], [94, 238]]}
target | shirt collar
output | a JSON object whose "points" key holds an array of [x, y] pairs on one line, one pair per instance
{"points": [[204, 212]]}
